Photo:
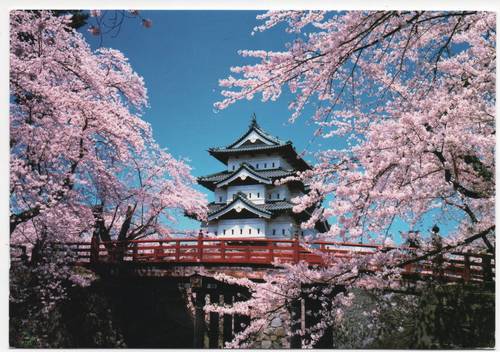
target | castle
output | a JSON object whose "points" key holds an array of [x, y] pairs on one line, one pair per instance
{"points": [[247, 203]]}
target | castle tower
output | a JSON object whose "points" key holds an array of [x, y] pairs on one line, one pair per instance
{"points": [[247, 203]]}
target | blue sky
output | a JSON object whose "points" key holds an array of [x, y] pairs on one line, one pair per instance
{"points": [[182, 57]]}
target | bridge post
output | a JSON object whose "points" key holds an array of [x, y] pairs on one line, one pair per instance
{"points": [[135, 251], [227, 323], [200, 246], [199, 318], [315, 306], [213, 329], [240, 320], [94, 249], [177, 250], [486, 266], [466, 273], [295, 309], [296, 248], [222, 249], [271, 251]]}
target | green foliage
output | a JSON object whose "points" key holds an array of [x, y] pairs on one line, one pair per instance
{"points": [[82, 317], [455, 316], [441, 316], [32, 323], [89, 319], [376, 320]]}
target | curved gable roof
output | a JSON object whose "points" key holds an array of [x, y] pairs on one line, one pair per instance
{"points": [[271, 145], [254, 127], [210, 181], [244, 204], [242, 174]]}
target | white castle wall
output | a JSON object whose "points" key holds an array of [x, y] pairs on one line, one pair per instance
{"points": [[254, 193], [272, 161], [241, 228], [257, 193], [220, 195], [282, 226], [276, 193]]}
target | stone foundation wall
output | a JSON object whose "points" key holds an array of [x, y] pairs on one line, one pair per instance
{"points": [[276, 334]]}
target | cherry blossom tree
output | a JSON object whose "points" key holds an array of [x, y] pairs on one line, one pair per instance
{"points": [[106, 22], [145, 200], [412, 94], [83, 161]]}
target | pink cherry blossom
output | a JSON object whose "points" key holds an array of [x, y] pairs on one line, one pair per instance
{"points": [[413, 95], [82, 160]]}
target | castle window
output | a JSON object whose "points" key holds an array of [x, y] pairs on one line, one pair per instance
{"points": [[274, 231], [232, 231], [273, 164], [249, 231], [215, 232], [258, 194], [220, 199], [256, 166], [241, 231], [249, 195], [265, 165], [224, 232], [277, 196], [258, 231], [282, 231], [233, 167]]}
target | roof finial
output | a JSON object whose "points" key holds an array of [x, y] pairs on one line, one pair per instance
{"points": [[254, 121]]}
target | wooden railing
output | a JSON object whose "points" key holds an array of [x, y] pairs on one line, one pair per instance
{"points": [[254, 251]]}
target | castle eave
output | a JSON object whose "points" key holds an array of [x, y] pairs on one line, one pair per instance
{"points": [[244, 171], [254, 127], [286, 150], [211, 181], [238, 205], [271, 208]]}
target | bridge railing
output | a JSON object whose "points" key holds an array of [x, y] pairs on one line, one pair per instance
{"points": [[231, 250], [254, 251], [239, 250]]}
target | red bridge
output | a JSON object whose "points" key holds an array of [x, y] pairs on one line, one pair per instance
{"points": [[183, 265], [252, 252]]}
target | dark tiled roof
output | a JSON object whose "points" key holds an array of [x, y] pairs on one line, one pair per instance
{"points": [[239, 196], [279, 205], [254, 126], [215, 207], [249, 148], [271, 206], [250, 169], [270, 173], [217, 177], [276, 173], [286, 150]]}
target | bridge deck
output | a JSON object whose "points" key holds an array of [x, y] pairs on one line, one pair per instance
{"points": [[258, 251]]}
